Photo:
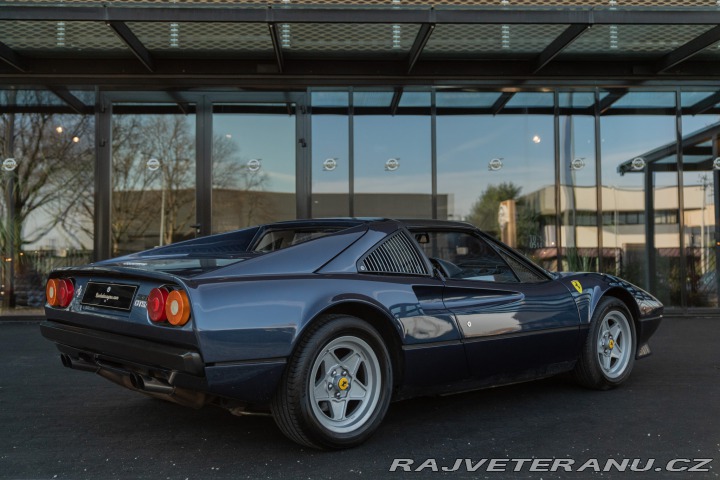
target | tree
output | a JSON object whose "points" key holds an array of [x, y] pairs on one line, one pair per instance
{"points": [[240, 189], [52, 152], [484, 212]]}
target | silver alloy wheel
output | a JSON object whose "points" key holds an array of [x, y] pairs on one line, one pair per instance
{"points": [[345, 383], [614, 345]]}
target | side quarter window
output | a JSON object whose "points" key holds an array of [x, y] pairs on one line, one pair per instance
{"points": [[464, 256]]}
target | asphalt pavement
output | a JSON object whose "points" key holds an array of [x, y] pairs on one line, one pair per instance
{"points": [[64, 424]]}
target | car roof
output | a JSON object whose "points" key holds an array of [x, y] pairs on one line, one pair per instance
{"points": [[421, 223], [355, 221]]}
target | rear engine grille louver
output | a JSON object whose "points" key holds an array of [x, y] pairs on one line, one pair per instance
{"points": [[395, 255]]}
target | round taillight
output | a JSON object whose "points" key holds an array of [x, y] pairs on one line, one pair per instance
{"points": [[177, 308], [65, 291], [156, 304], [51, 292]]}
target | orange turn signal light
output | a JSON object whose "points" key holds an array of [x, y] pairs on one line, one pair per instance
{"points": [[51, 292], [177, 308]]}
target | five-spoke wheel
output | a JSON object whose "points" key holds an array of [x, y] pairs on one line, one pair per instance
{"points": [[337, 387], [345, 385], [609, 352]]}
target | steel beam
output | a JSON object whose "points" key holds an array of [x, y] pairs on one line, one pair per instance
{"points": [[395, 102], [704, 105], [71, 100], [133, 43], [500, 103], [691, 48], [9, 56], [610, 99], [182, 104], [385, 15], [564, 40], [421, 40], [277, 45]]}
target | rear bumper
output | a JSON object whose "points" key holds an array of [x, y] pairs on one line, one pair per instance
{"points": [[158, 368], [131, 349]]}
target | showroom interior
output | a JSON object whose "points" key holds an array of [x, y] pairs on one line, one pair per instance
{"points": [[583, 133]]}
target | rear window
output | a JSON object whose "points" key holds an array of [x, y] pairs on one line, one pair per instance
{"points": [[277, 239]]}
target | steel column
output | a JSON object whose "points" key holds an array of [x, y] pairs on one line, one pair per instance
{"points": [[103, 247]]}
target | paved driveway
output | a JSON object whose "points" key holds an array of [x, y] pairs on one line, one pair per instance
{"points": [[58, 423]]}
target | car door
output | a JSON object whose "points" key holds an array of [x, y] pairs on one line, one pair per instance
{"points": [[513, 318]]}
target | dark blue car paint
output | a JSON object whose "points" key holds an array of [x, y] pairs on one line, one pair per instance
{"points": [[247, 317]]}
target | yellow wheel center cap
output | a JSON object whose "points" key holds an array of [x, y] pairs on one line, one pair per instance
{"points": [[343, 383], [611, 344]]}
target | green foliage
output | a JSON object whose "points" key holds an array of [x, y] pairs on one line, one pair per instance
{"points": [[484, 212]]}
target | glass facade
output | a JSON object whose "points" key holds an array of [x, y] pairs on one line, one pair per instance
{"points": [[620, 181], [153, 180], [47, 202], [253, 166]]}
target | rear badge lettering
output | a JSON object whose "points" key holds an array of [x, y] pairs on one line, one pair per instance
{"points": [[140, 303]]}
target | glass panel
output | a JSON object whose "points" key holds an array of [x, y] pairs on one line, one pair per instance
{"points": [[530, 100], [578, 191], [466, 99], [415, 99], [646, 100], [372, 99], [688, 99], [463, 256], [577, 99], [498, 172], [49, 222], [393, 166], [700, 184], [330, 99], [253, 169], [632, 147], [153, 180], [330, 166]]}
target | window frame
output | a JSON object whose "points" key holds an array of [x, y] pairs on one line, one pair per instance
{"points": [[496, 246]]}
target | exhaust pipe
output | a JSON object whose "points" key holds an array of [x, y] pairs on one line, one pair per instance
{"points": [[68, 362], [148, 384]]}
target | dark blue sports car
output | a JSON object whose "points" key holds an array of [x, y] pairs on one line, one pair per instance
{"points": [[323, 322]]}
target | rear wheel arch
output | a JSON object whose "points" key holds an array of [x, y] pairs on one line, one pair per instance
{"points": [[379, 320], [331, 349]]}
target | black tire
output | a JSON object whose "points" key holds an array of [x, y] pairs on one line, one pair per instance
{"points": [[343, 420], [597, 366]]}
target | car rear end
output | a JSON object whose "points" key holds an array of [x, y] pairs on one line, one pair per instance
{"points": [[130, 326]]}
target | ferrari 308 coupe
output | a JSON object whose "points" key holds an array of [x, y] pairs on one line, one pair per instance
{"points": [[323, 322]]}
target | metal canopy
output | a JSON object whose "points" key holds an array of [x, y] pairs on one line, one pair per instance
{"points": [[181, 45]]}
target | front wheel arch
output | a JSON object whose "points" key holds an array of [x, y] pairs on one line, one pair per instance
{"points": [[625, 297], [595, 367]]}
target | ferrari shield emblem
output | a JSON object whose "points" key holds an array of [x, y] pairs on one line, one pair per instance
{"points": [[577, 286]]}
